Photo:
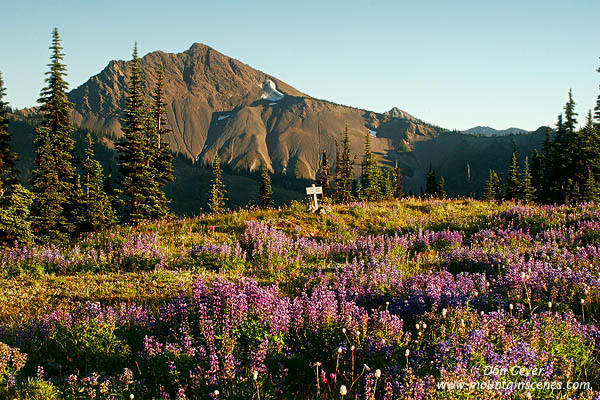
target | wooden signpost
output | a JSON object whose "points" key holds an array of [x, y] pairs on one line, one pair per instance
{"points": [[314, 191]]}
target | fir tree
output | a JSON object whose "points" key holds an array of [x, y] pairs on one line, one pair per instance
{"points": [[557, 179], [388, 186], [344, 173], [137, 178], [162, 162], [536, 175], [96, 208], [513, 185], [591, 191], [371, 179], [357, 190], [431, 184], [398, 189], [587, 152], [217, 193], [265, 193], [323, 174], [597, 109], [441, 190], [489, 193], [570, 114], [15, 224], [527, 190], [545, 194], [8, 172], [54, 173]]}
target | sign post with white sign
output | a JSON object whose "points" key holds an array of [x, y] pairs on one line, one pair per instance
{"points": [[314, 191]]}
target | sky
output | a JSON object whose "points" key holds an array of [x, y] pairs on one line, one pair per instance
{"points": [[456, 64]]}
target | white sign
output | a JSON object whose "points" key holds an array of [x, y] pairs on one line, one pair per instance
{"points": [[314, 191]]}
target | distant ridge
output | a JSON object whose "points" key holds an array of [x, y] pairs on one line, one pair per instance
{"points": [[488, 131]]}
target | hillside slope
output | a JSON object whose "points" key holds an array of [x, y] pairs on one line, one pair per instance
{"points": [[218, 104]]}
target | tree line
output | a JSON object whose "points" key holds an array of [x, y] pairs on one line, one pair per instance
{"points": [[565, 170], [374, 183], [69, 196]]}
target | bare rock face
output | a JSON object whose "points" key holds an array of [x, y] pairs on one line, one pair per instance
{"points": [[218, 104]]}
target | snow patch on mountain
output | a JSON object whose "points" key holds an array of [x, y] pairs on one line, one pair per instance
{"points": [[270, 92]]}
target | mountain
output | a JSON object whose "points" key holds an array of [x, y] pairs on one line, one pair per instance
{"points": [[218, 104], [487, 131]]}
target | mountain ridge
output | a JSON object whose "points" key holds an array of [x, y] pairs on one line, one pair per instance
{"points": [[217, 104]]}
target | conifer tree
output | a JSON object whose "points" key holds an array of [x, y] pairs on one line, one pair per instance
{"points": [[53, 176], [371, 179], [323, 174], [15, 224], [513, 184], [8, 172], [527, 190], [536, 175], [491, 186], [570, 114], [548, 168], [344, 173], [591, 191], [557, 179], [163, 162], [597, 109], [137, 179], [441, 190], [587, 152], [357, 190], [431, 185], [265, 193], [217, 193], [398, 189], [96, 211], [388, 192]]}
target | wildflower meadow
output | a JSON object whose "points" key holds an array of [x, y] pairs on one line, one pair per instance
{"points": [[407, 299]]}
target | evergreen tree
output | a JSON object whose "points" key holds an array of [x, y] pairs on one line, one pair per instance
{"points": [[96, 208], [570, 114], [388, 186], [357, 190], [15, 225], [217, 193], [8, 172], [371, 179], [597, 109], [431, 184], [441, 191], [398, 189], [536, 175], [586, 152], [137, 178], [547, 168], [527, 189], [491, 184], [162, 162], [513, 184], [557, 179], [265, 193], [344, 173], [323, 174], [53, 176], [493, 187], [591, 191]]}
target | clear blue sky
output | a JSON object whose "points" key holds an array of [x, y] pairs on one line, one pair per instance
{"points": [[456, 64]]}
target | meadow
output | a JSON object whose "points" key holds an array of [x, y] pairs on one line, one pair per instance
{"points": [[392, 300]]}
